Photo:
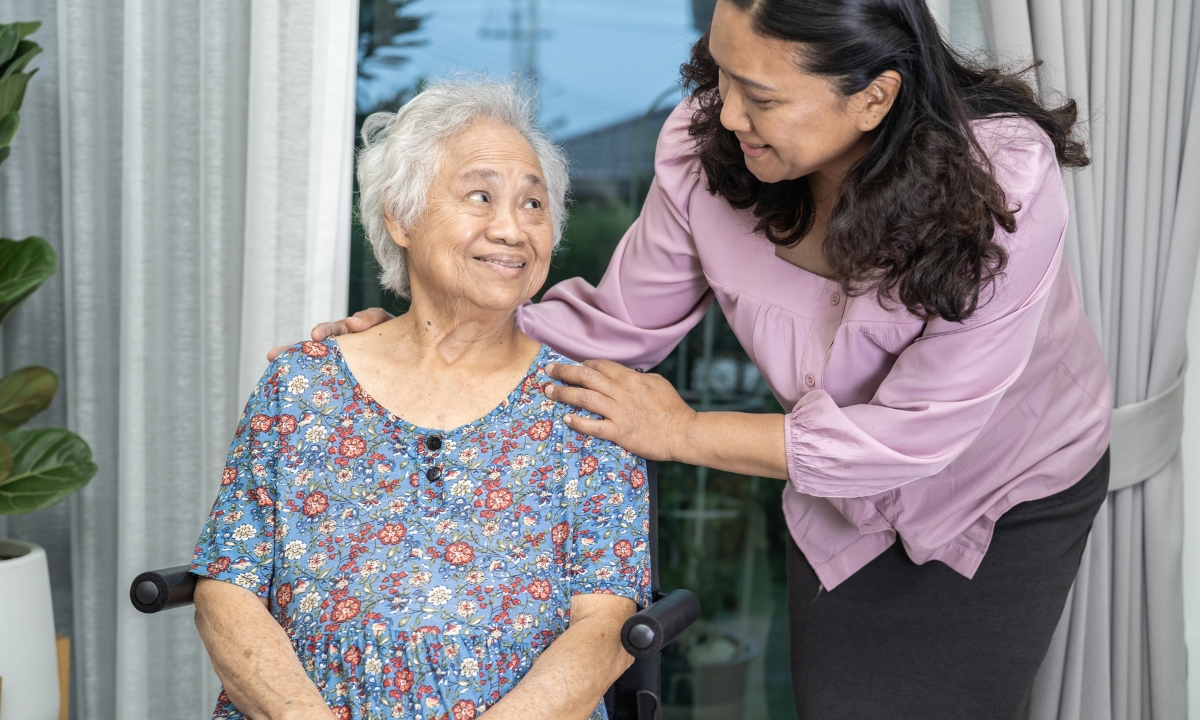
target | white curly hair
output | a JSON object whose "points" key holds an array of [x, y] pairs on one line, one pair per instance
{"points": [[402, 152]]}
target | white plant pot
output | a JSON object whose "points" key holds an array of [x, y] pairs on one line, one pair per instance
{"points": [[28, 659]]}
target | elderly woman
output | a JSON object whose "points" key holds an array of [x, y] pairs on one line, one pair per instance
{"points": [[406, 528]]}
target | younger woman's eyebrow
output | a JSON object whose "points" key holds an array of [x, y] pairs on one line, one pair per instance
{"points": [[747, 81], [751, 83]]}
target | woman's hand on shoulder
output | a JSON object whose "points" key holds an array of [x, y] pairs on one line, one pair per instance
{"points": [[640, 412], [356, 323]]}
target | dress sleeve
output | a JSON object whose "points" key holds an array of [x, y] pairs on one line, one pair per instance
{"points": [[943, 389], [654, 290], [608, 507], [237, 544]]}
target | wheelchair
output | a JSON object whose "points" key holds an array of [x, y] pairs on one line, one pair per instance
{"points": [[634, 696]]}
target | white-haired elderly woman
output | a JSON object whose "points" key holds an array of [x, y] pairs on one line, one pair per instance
{"points": [[406, 528]]}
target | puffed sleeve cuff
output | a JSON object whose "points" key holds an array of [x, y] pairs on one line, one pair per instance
{"points": [[828, 455]]}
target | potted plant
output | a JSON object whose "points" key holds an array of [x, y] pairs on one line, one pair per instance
{"points": [[37, 467]]}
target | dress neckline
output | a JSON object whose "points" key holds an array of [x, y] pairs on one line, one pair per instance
{"points": [[487, 419]]}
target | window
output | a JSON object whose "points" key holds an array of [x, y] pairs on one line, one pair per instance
{"points": [[608, 77]]}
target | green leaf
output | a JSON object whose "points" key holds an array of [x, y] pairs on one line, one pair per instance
{"points": [[26, 51], [48, 465], [23, 394], [10, 35], [3, 154], [12, 92], [6, 462], [26, 29], [8, 128], [24, 265]]}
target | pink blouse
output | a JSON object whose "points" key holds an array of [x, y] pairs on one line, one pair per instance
{"points": [[923, 431]]}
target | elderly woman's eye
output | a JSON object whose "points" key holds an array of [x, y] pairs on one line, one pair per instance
{"points": [[479, 196], [533, 204]]}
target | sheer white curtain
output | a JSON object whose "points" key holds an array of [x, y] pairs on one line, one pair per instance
{"points": [[1132, 241], [190, 163]]}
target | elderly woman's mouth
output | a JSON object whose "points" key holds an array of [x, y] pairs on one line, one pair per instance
{"points": [[507, 266]]}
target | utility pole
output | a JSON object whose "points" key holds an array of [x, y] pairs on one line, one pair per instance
{"points": [[524, 33]]}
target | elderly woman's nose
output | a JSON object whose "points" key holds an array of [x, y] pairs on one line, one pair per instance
{"points": [[505, 225]]}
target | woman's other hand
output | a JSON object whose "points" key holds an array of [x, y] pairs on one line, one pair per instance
{"points": [[356, 323], [640, 412]]}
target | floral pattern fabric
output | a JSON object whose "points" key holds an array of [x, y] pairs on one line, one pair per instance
{"points": [[419, 573]]}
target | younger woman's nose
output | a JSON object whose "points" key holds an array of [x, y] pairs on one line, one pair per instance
{"points": [[733, 113]]}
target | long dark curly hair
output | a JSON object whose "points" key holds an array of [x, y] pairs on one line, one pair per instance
{"points": [[915, 217]]}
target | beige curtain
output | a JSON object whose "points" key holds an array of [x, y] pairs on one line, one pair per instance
{"points": [[190, 163], [1132, 241]]}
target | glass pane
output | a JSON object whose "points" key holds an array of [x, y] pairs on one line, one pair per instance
{"points": [[608, 78], [968, 33], [723, 536]]}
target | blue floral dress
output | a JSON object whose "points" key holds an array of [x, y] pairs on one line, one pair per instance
{"points": [[418, 572]]}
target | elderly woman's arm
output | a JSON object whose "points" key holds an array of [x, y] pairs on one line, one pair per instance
{"points": [[570, 677], [253, 656]]}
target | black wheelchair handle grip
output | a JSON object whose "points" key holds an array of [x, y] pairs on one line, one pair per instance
{"points": [[157, 590], [650, 630]]}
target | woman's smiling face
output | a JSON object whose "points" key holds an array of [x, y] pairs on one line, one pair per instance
{"points": [[486, 235], [790, 123]]}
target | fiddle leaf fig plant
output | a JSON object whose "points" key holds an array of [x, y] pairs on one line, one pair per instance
{"points": [[15, 54], [37, 467]]}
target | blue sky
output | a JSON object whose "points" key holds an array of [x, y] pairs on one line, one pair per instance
{"points": [[602, 60]]}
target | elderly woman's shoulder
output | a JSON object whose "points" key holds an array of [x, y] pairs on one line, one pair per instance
{"points": [[306, 350], [541, 379], [546, 357], [308, 357]]}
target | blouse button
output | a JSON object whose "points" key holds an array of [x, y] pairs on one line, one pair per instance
{"points": [[809, 380], [434, 473], [434, 443], [835, 299]]}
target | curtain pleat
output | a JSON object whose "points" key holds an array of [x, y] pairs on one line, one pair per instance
{"points": [[1118, 653], [179, 302], [302, 80], [134, 160], [89, 41]]}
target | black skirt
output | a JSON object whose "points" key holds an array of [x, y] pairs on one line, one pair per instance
{"points": [[903, 641]]}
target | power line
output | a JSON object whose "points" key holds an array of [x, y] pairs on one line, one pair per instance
{"points": [[524, 32]]}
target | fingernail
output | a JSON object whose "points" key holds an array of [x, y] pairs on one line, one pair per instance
{"points": [[550, 367]]}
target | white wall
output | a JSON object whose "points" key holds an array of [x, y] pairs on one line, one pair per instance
{"points": [[1191, 506]]}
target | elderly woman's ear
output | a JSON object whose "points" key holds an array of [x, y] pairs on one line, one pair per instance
{"points": [[396, 230]]}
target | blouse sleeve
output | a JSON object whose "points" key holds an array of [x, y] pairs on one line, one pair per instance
{"points": [[608, 507], [654, 290], [943, 389], [237, 544]]}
